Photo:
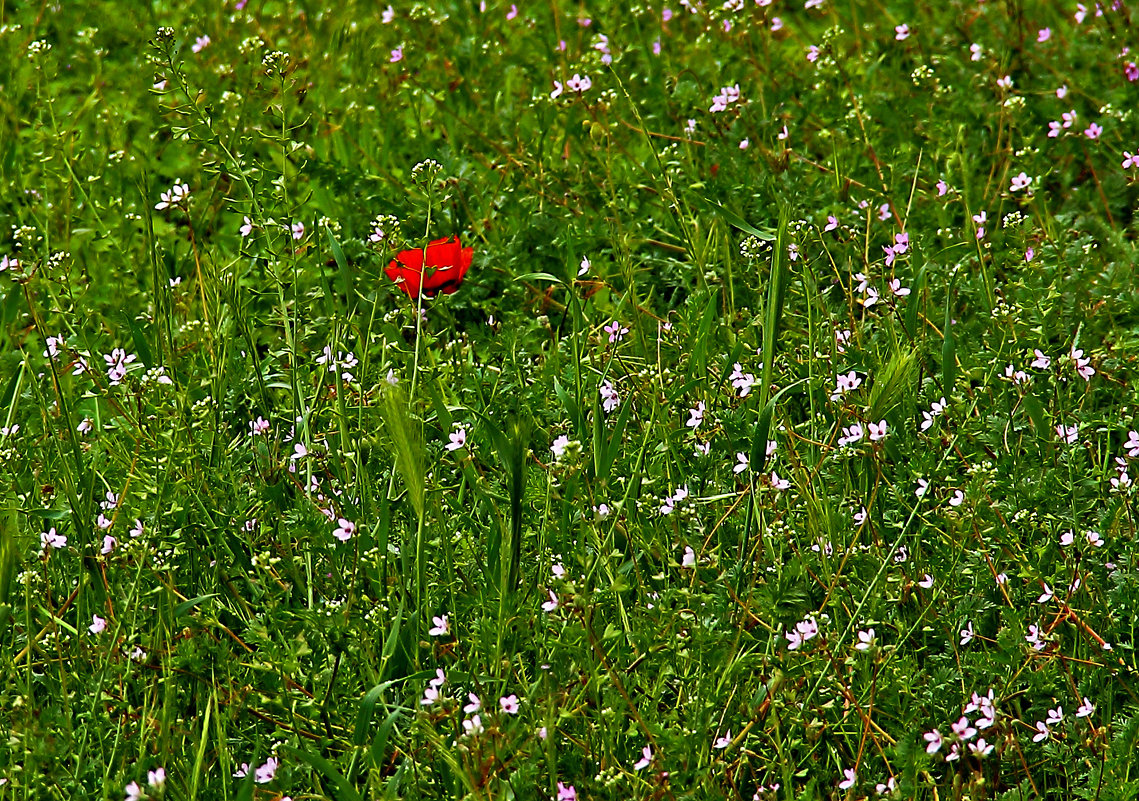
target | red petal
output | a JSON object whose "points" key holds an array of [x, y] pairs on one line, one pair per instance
{"points": [[447, 264]]}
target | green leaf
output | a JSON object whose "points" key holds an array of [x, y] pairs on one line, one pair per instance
{"points": [[699, 363], [344, 271], [738, 221], [776, 289], [539, 277], [1037, 415], [184, 607], [948, 349], [406, 436], [758, 457], [141, 343], [607, 454], [366, 711], [342, 789], [380, 742]]}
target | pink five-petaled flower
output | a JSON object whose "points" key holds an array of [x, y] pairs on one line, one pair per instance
{"points": [[832, 223], [865, 640], [849, 780], [901, 31], [963, 729], [475, 704], [559, 446], [1041, 362], [1055, 716], [689, 558], [441, 627], [579, 83], [1042, 732], [897, 288], [981, 747], [50, 540], [265, 773], [610, 399], [458, 439], [1047, 595], [696, 416], [344, 529], [98, 625], [878, 430], [967, 633], [509, 704], [933, 741], [804, 630], [472, 726], [156, 778], [845, 383], [1132, 444], [1093, 131], [177, 196], [850, 434], [615, 331], [134, 792], [942, 188], [645, 760], [1130, 160], [566, 792], [1086, 708], [552, 604], [741, 381], [1019, 182], [741, 463], [1068, 434], [1083, 366], [724, 741]]}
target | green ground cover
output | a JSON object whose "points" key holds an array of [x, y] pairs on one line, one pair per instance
{"points": [[766, 433]]}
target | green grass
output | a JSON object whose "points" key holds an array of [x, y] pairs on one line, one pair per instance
{"points": [[637, 510]]}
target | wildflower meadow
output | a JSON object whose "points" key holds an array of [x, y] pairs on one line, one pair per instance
{"points": [[569, 401]]}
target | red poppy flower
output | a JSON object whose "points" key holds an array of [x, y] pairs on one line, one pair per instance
{"points": [[447, 263]]}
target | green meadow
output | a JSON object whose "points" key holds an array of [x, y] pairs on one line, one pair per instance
{"points": [[568, 401]]}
